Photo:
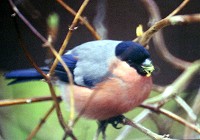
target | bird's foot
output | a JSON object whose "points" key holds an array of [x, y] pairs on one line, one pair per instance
{"points": [[115, 121], [102, 125]]}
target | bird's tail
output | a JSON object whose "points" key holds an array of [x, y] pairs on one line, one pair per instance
{"points": [[24, 75]]}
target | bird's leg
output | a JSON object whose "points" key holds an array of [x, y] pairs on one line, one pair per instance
{"points": [[116, 120], [105, 124], [102, 125]]}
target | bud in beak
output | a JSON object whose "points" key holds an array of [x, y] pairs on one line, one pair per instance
{"points": [[147, 67]]}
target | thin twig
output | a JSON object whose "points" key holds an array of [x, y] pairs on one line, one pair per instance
{"points": [[184, 19], [52, 91], [179, 8], [175, 20], [83, 20], [138, 119], [70, 77], [186, 107], [24, 47], [188, 134], [66, 128], [47, 78], [173, 116], [147, 35], [42, 121], [145, 130], [177, 86], [15, 9], [64, 45], [156, 33], [68, 36], [170, 91], [19, 101]]}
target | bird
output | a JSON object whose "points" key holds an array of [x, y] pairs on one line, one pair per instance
{"points": [[111, 77]]}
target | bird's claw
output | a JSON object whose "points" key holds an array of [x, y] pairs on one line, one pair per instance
{"points": [[115, 121]]}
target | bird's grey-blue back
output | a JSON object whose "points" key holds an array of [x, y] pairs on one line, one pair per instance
{"points": [[93, 57]]}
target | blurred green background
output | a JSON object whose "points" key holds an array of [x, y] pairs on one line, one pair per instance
{"points": [[16, 122]]}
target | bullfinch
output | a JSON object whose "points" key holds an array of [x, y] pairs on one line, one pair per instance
{"points": [[116, 74]]}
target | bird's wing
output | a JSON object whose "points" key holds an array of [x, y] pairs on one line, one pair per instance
{"points": [[33, 74], [23, 75], [93, 61], [70, 60], [89, 64]]}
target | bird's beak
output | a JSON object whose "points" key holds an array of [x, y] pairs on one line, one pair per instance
{"points": [[147, 67]]}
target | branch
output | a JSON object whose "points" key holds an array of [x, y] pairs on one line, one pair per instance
{"points": [[65, 43], [145, 130], [70, 77], [28, 24], [168, 93], [177, 86], [186, 107], [42, 121], [53, 24], [83, 20], [23, 45], [47, 78], [179, 8], [158, 38], [173, 116], [11, 102], [67, 38], [175, 20], [195, 107], [139, 118]]}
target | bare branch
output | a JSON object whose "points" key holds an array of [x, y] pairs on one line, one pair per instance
{"points": [[186, 107], [47, 78], [68, 36], [28, 24], [24, 47], [169, 93], [179, 8], [188, 134], [173, 116], [138, 119], [85, 22], [184, 19], [178, 85], [70, 77], [156, 33], [145, 130], [175, 20], [42, 121], [11, 102]]}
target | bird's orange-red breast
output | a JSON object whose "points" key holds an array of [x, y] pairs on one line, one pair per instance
{"points": [[118, 94]]}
